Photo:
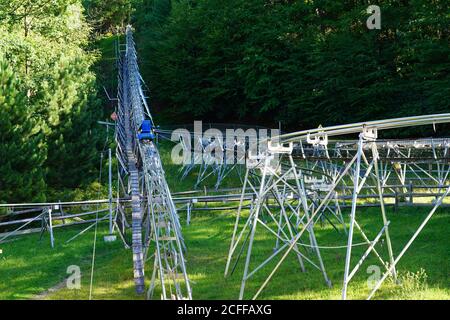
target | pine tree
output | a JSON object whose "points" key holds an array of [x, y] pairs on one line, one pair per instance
{"points": [[74, 111], [22, 151], [304, 63], [49, 54]]}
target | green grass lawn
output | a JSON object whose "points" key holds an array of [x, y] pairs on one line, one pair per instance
{"points": [[29, 266]]}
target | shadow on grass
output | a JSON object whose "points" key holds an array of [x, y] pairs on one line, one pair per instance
{"points": [[29, 266]]}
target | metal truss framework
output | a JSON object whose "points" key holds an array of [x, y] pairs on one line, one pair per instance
{"points": [[207, 165], [218, 152], [302, 181], [155, 223], [31, 218]]}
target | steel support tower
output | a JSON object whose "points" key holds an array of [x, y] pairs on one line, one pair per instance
{"points": [[288, 205]]}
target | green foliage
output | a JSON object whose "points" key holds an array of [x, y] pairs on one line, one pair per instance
{"points": [[409, 283], [108, 15], [74, 136], [22, 151], [45, 44], [29, 266], [301, 62]]}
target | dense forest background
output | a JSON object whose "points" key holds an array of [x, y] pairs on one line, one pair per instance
{"points": [[48, 101], [302, 63]]}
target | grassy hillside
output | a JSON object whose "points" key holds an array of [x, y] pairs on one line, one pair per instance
{"points": [[29, 267]]}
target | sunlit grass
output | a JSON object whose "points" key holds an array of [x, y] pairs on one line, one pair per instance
{"points": [[29, 266]]}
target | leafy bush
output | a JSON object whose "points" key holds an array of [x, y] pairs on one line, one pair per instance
{"points": [[410, 285]]}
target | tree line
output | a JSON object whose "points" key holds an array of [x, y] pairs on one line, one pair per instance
{"points": [[303, 63], [49, 106]]}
